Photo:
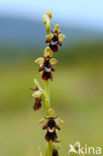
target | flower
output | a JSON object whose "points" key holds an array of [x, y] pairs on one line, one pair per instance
{"points": [[51, 127], [38, 99], [55, 152], [55, 39], [46, 67]]}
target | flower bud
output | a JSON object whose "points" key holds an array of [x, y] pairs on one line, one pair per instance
{"points": [[46, 19], [49, 13]]}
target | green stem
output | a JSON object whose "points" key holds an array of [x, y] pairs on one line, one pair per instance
{"points": [[50, 145], [47, 101], [47, 28], [47, 89]]}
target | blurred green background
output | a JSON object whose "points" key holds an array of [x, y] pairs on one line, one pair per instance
{"points": [[76, 92]]}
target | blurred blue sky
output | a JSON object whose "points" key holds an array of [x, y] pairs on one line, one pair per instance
{"points": [[84, 13]]}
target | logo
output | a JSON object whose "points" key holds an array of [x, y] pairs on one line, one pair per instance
{"points": [[85, 150]]}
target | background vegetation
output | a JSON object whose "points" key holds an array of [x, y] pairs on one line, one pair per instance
{"points": [[76, 94]]}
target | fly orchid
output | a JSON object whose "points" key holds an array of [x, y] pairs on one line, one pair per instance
{"points": [[46, 67], [55, 39], [51, 127], [46, 62]]}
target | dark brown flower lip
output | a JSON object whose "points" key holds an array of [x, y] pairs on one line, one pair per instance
{"points": [[37, 105], [47, 75], [51, 136], [55, 152], [51, 118]]}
